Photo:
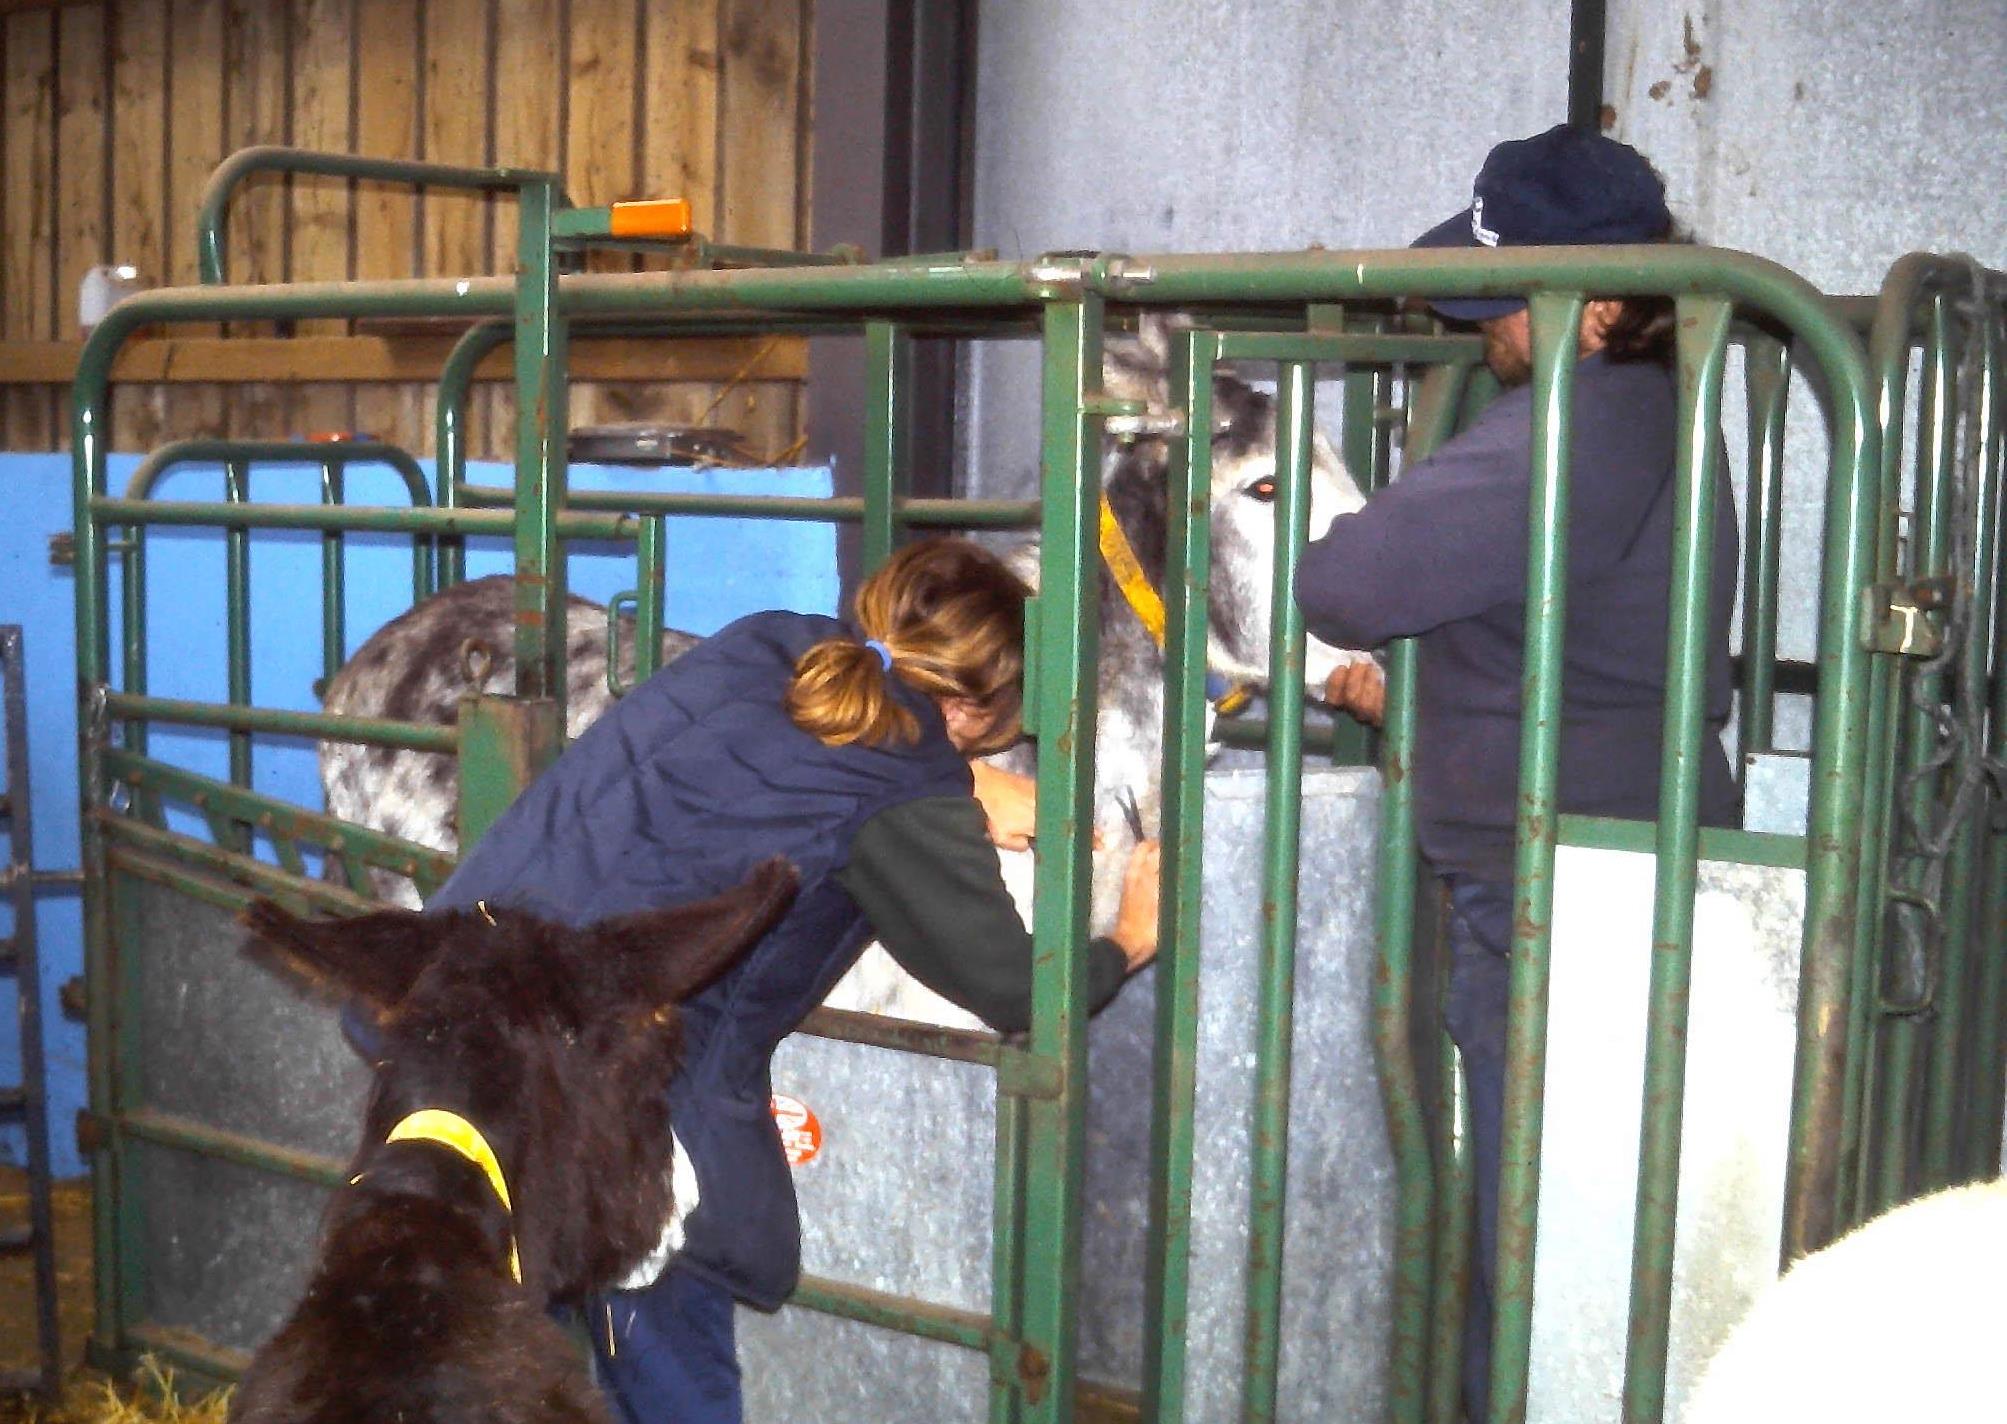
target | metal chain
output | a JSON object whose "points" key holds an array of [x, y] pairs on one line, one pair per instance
{"points": [[1958, 760]]}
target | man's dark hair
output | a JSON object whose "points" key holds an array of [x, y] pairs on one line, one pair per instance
{"points": [[1644, 330]]}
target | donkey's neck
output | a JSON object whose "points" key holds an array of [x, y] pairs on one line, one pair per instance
{"points": [[400, 1183]]}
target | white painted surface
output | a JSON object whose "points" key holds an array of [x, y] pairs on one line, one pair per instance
{"points": [[1747, 921]]}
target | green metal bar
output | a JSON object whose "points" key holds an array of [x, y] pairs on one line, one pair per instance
{"points": [[888, 452], [1450, 1263], [1940, 1071], [1724, 843], [650, 553], [417, 736], [133, 625], [1703, 324], [129, 1225], [1766, 365], [1066, 637], [326, 454], [1834, 828], [185, 1134], [540, 453], [237, 547], [1367, 348], [231, 172], [842, 509], [1556, 319], [729, 254], [456, 381], [1986, 910], [570, 525], [906, 1036], [1855, 1152], [422, 863], [1890, 337], [1174, 1084], [1431, 418], [1899, 1162], [1282, 823], [1364, 430], [944, 1323], [1990, 1017], [966, 289], [1955, 1085], [1006, 1250], [334, 597], [90, 416]]}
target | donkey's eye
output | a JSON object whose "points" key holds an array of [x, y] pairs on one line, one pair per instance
{"points": [[1263, 490]]}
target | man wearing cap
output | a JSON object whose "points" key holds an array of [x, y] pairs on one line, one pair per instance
{"points": [[1440, 556]]}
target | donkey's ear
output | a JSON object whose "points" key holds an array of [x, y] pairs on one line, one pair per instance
{"points": [[375, 957], [1139, 367], [668, 955]]}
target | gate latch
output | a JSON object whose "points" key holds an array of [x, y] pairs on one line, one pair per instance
{"points": [[1895, 617]]}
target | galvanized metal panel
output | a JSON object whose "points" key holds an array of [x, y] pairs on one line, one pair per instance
{"points": [[1776, 789], [225, 1043], [224, 1249], [900, 1198]]}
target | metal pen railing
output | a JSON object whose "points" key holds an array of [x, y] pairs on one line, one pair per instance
{"points": [[1028, 1333]]}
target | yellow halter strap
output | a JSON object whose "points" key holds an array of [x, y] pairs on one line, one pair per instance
{"points": [[449, 1129], [1144, 601]]}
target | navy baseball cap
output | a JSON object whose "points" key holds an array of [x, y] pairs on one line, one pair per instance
{"points": [[1565, 186]]}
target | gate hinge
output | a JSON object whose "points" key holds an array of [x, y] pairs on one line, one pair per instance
{"points": [[1024, 1074], [1895, 617], [1017, 1365], [62, 549], [91, 1134]]}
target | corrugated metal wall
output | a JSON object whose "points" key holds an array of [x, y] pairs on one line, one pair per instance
{"points": [[1829, 135]]}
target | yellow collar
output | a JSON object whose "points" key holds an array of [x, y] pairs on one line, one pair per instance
{"points": [[449, 1129], [1145, 601]]}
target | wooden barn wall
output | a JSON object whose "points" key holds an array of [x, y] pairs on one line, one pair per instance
{"points": [[113, 114]]}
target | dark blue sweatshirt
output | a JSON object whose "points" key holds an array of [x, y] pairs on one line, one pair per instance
{"points": [[1441, 555]]}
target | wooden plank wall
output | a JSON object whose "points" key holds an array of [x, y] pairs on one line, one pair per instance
{"points": [[113, 114]]}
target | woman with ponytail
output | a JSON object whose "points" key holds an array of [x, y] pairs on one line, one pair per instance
{"points": [[844, 746]]}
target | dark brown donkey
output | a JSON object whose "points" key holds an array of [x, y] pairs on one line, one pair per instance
{"points": [[516, 1151]]}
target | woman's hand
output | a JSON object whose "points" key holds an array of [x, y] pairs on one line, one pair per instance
{"points": [[1135, 932], [1010, 802], [1361, 689]]}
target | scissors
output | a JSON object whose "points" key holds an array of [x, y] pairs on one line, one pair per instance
{"points": [[1131, 812]]}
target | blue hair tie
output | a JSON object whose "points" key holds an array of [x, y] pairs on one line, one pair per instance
{"points": [[884, 653]]}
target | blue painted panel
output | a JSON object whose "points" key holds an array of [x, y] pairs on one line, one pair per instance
{"points": [[718, 570]]}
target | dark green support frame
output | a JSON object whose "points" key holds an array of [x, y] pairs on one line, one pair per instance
{"points": [[1293, 308]]}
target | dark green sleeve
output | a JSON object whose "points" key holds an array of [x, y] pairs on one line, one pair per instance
{"points": [[926, 877]]}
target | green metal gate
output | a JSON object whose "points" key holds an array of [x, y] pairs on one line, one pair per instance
{"points": [[1863, 1049]]}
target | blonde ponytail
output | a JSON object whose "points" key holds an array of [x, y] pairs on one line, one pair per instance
{"points": [[950, 619], [839, 695]]}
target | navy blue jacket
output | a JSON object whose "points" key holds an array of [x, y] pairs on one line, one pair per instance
{"points": [[675, 794], [1441, 554]]}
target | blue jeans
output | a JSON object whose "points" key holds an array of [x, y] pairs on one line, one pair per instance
{"points": [[673, 1360], [1480, 941]]}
